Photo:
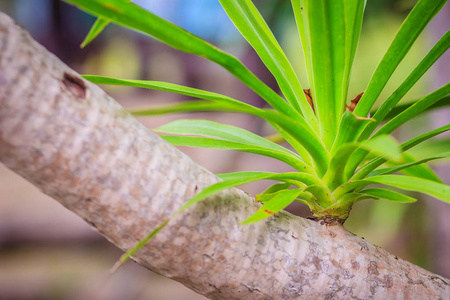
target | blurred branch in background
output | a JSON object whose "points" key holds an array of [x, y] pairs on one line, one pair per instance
{"points": [[440, 221]]}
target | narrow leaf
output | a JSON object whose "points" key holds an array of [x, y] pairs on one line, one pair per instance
{"points": [[335, 175], [252, 26], [327, 33], [191, 141], [137, 18], [400, 167], [444, 102], [218, 130], [375, 163], [95, 30], [410, 183], [350, 128], [139, 245], [239, 178], [384, 145], [273, 189], [424, 137], [322, 194], [431, 147], [308, 137], [278, 202], [188, 106], [388, 195], [386, 108], [177, 89], [414, 110], [304, 178], [227, 132], [418, 18], [353, 14]]}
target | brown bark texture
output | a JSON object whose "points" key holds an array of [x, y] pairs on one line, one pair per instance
{"points": [[76, 144]]}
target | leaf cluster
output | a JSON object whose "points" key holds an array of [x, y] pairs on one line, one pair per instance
{"points": [[339, 150]]}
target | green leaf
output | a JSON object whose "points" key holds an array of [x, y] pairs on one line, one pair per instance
{"points": [[424, 137], [431, 147], [384, 146], [444, 102], [387, 107], [178, 89], [278, 202], [230, 180], [359, 155], [410, 183], [137, 18], [192, 141], [325, 23], [273, 189], [322, 194], [248, 141], [240, 178], [221, 131], [306, 135], [306, 197], [375, 163], [189, 106], [402, 167], [139, 245], [350, 128], [302, 26], [414, 110], [388, 195], [329, 32], [309, 139], [335, 174], [252, 26], [234, 179], [353, 14], [291, 177], [96, 29], [418, 18]]}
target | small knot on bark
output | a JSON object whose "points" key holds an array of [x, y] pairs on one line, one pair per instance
{"points": [[75, 85]]}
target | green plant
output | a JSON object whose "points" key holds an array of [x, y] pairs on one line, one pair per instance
{"points": [[339, 150]]}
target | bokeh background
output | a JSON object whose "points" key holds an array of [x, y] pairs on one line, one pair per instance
{"points": [[47, 252]]}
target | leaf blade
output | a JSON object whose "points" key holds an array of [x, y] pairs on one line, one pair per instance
{"points": [[410, 183], [252, 26], [278, 202], [388, 195], [132, 16], [387, 106], [191, 141], [95, 30], [401, 167], [414, 110], [418, 18]]}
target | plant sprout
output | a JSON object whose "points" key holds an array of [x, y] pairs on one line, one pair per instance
{"points": [[339, 147]]}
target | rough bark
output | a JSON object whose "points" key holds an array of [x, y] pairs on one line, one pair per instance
{"points": [[75, 143]]}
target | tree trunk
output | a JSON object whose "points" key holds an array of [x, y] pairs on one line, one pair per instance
{"points": [[76, 144]]}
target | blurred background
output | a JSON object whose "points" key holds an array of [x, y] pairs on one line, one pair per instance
{"points": [[47, 252]]}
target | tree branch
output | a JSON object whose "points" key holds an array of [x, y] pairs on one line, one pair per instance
{"points": [[75, 143]]}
